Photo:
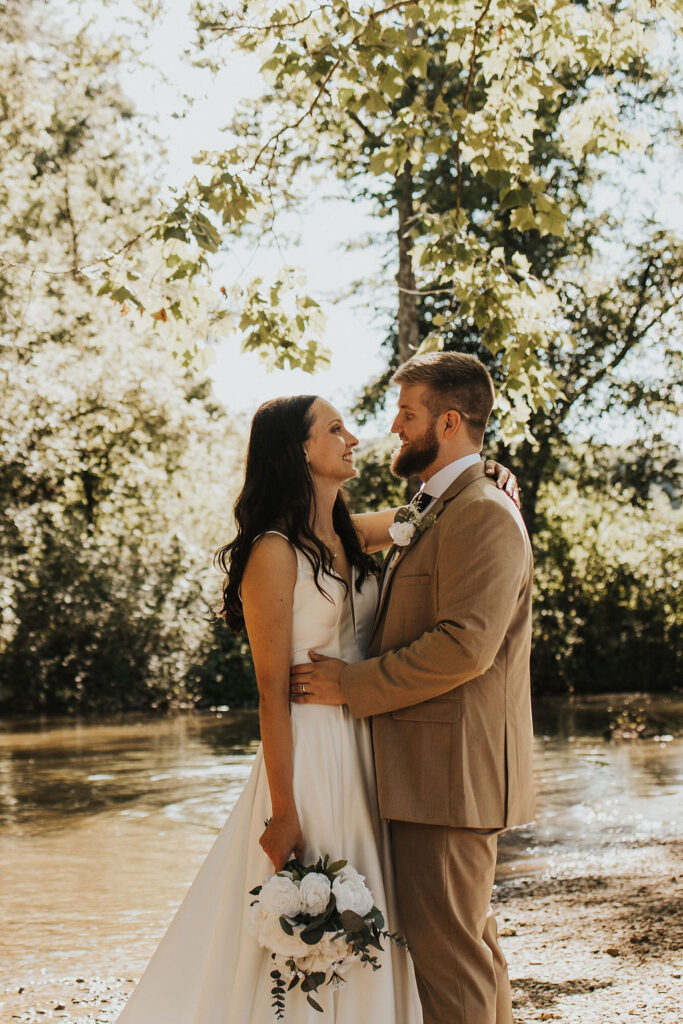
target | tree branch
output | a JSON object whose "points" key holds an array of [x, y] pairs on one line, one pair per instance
{"points": [[291, 127], [427, 291], [225, 30], [465, 100], [632, 337], [369, 135], [68, 213], [399, 5]]}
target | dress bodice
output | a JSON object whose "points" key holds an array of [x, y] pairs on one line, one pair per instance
{"points": [[337, 625]]}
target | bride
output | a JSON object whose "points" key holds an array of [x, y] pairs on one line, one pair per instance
{"points": [[299, 576]]}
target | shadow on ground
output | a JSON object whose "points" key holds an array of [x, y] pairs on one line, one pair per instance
{"points": [[544, 994]]}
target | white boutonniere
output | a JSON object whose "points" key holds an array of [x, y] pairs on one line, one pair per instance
{"points": [[402, 533], [408, 524]]}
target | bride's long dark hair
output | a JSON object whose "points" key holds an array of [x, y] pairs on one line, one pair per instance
{"points": [[278, 494]]}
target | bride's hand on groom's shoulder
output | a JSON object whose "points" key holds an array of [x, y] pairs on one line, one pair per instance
{"points": [[504, 479], [281, 838], [317, 682]]}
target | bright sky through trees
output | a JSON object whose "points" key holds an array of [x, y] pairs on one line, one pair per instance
{"points": [[315, 239], [314, 242]]}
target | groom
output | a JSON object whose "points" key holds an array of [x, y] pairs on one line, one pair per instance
{"points": [[447, 685]]}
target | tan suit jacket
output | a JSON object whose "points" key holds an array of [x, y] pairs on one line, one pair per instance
{"points": [[447, 675]]}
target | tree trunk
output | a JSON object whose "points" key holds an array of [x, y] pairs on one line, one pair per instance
{"points": [[408, 325], [532, 486]]}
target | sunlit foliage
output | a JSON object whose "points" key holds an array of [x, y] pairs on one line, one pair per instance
{"points": [[384, 92], [116, 466]]}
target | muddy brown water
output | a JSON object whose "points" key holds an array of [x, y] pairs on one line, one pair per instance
{"points": [[104, 824]]}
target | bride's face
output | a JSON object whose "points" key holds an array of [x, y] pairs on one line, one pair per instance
{"points": [[329, 445]]}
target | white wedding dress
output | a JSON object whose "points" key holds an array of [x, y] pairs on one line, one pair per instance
{"points": [[208, 968]]}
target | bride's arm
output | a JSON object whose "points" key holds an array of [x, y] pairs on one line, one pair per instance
{"points": [[267, 594], [373, 527]]}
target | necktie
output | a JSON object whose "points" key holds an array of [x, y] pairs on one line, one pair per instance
{"points": [[421, 500]]}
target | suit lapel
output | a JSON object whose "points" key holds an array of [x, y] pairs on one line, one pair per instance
{"points": [[462, 481]]}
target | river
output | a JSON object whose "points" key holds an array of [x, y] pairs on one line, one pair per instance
{"points": [[104, 824]]}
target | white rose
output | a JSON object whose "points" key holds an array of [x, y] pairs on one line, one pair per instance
{"points": [[351, 893], [270, 934], [280, 896], [325, 953], [349, 873], [402, 533], [315, 893]]}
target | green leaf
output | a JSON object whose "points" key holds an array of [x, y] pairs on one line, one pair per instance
{"points": [[434, 342], [123, 294], [336, 867], [204, 232], [516, 197], [286, 926], [174, 232], [377, 917], [352, 921], [523, 219], [312, 934], [381, 162]]}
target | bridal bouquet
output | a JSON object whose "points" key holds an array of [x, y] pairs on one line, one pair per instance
{"points": [[316, 921]]}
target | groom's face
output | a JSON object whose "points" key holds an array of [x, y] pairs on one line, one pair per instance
{"points": [[415, 425]]}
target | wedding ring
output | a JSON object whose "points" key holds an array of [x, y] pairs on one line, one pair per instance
{"points": [[303, 688]]}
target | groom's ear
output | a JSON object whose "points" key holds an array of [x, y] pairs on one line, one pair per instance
{"points": [[452, 420]]}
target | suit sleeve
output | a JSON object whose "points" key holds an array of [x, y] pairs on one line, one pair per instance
{"points": [[482, 564]]}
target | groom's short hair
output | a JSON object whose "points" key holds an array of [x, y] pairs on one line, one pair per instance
{"points": [[455, 380]]}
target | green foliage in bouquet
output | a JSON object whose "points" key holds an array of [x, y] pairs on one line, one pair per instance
{"points": [[359, 933]]}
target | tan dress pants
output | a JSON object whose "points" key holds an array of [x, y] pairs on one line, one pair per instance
{"points": [[444, 879]]}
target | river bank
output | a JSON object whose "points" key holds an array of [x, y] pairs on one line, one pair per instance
{"points": [[594, 947], [103, 826]]}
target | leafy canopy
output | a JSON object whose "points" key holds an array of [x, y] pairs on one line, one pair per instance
{"points": [[385, 90]]}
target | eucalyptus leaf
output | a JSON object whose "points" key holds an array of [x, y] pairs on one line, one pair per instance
{"points": [[336, 866], [311, 936], [352, 921]]}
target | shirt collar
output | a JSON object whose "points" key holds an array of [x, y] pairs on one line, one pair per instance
{"points": [[443, 479]]}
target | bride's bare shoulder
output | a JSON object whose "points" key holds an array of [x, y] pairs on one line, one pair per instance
{"points": [[267, 587], [271, 556]]}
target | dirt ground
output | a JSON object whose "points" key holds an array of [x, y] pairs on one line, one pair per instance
{"points": [[597, 949], [582, 949]]}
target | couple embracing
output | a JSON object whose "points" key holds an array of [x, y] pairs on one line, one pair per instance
{"points": [[395, 712]]}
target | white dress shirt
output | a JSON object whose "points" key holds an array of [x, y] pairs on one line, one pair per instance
{"points": [[443, 478]]}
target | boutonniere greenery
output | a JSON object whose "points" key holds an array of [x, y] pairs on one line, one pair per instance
{"points": [[409, 524]]}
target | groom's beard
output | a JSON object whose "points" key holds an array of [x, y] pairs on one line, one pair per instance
{"points": [[416, 455]]}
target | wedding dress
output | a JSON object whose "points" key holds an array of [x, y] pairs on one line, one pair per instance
{"points": [[208, 968]]}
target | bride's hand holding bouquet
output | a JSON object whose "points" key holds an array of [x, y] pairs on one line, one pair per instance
{"points": [[282, 837]]}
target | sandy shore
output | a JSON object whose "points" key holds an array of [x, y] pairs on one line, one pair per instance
{"points": [[598, 948], [583, 948]]}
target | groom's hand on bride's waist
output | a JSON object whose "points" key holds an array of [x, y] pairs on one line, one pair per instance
{"points": [[317, 682]]}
